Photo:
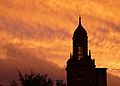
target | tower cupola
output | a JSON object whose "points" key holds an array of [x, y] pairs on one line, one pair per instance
{"points": [[80, 42], [80, 31]]}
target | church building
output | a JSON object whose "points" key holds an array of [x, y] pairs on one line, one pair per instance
{"points": [[81, 69]]}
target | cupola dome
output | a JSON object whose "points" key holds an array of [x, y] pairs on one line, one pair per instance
{"points": [[80, 31]]}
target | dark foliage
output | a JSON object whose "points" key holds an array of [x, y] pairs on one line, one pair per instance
{"points": [[33, 79], [60, 83], [13, 83]]}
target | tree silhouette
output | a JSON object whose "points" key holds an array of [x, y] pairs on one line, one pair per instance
{"points": [[13, 83], [35, 79], [60, 83]]}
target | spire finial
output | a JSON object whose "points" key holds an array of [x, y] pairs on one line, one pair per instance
{"points": [[79, 20], [89, 53], [70, 55]]}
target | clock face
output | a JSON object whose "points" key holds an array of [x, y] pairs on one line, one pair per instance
{"points": [[80, 53]]}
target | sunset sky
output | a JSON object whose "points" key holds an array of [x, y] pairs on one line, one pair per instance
{"points": [[38, 34]]}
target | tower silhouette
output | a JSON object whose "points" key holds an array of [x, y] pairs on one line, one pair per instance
{"points": [[81, 69]]}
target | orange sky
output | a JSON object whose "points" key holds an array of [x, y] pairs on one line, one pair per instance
{"points": [[44, 28]]}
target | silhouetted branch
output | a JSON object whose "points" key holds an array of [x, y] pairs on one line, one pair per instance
{"points": [[60, 83], [35, 79], [13, 83]]}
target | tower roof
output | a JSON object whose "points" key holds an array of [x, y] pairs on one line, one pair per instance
{"points": [[80, 31]]}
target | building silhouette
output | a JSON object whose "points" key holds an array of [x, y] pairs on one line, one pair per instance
{"points": [[81, 68]]}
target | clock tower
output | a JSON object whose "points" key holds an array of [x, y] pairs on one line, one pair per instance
{"points": [[81, 69]]}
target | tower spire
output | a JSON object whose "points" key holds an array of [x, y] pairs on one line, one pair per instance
{"points": [[79, 20], [89, 53]]}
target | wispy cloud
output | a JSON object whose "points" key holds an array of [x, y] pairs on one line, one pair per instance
{"points": [[45, 28]]}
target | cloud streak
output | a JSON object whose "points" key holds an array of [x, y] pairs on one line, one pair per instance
{"points": [[44, 29]]}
